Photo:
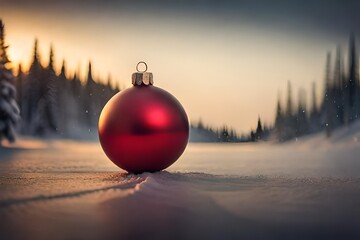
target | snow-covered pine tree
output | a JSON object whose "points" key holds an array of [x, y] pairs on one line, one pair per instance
{"points": [[9, 111]]}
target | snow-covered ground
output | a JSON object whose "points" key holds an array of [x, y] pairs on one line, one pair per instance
{"points": [[305, 189]]}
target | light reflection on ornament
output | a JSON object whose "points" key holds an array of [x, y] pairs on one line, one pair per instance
{"points": [[156, 117]]}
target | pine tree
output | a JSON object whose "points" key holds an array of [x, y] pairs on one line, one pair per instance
{"points": [[200, 124], [88, 97], [351, 85], [63, 98], [314, 115], [279, 121], [301, 117], [338, 95], [259, 130], [32, 95], [328, 98], [314, 108], [50, 94], [266, 132], [289, 124], [9, 111], [252, 137], [76, 87], [224, 134], [107, 92]]}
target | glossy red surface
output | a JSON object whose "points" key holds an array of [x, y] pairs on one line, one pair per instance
{"points": [[143, 129]]}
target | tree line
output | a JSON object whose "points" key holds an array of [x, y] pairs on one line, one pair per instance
{"points": [[339, 106], [49, 104], [55, 104]]}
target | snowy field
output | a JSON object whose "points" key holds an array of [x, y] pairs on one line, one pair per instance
{"points": [[305, 189]]}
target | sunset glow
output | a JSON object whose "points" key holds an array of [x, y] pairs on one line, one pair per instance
{"points": [[224, 73]]}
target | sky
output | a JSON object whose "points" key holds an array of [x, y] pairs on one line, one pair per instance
{"points": [[225, 61]]}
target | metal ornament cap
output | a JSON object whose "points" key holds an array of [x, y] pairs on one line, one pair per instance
{"points": [[145, 78], [142, 77]]}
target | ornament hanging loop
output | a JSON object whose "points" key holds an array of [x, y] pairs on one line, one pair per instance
{"points": [[142, 77], [137, 67]]}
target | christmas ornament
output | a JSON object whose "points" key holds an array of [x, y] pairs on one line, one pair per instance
{"points": [[143, 128]]}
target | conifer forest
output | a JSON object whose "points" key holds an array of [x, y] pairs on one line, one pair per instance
{"points": [[39, 102]]}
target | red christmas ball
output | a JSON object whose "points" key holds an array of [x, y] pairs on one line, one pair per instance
{"points": [[143, 128]]}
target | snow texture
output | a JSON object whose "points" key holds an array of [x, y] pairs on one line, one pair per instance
{"points": [[305, 189]]}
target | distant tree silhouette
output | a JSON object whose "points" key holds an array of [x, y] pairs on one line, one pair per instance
{"points": [[266, 132], [252, 136], [224, 134], [338, 95], [32, 94], [314, 121], [50, 95], [328, 109], [279, 121], [289, 120], [259, 130], [64, 99], [205, 133], [200, 124], [301, 126], [352, 84]]}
